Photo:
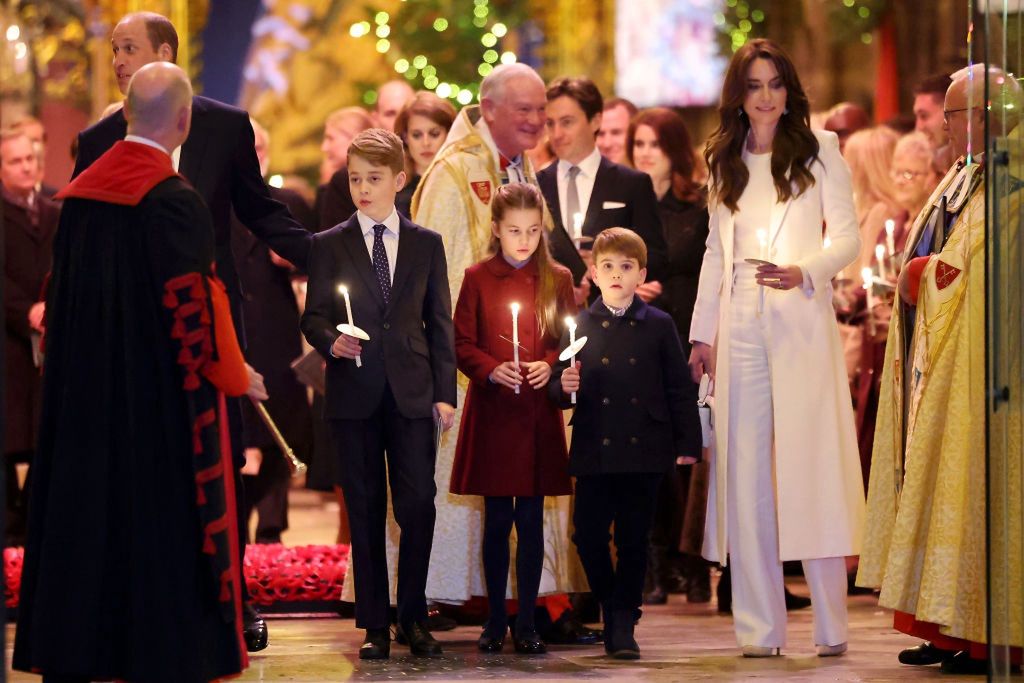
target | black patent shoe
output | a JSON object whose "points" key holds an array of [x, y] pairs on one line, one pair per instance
{"points": [[376, 645], [962, 664], [254, 629], [421, 643], [492, 639], [924, 655], [529, 643], [567, 630]]}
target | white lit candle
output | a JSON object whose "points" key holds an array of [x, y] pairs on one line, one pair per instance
{"points": [[890, 228], [880, 257], [571, 324], [868, 277], [762, 240], [515, 338], [348, 311], [577, 229]]}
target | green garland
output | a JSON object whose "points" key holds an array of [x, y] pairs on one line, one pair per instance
{"points": [[436, 47], [851, 20]]}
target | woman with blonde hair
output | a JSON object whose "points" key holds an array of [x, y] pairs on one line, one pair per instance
{"points": [[868, 153]]}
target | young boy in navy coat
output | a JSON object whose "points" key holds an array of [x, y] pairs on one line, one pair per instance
{"points": [[385, 395], [636, 413]]}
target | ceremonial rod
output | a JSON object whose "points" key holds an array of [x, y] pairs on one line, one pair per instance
{"points": [[295, 465]]}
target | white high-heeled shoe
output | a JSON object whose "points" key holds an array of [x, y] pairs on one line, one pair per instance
{"points": [[831, 650], [760, 651]]}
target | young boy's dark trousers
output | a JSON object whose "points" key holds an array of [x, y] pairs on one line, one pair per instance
{"points": [[626, 500], [388, 447]]}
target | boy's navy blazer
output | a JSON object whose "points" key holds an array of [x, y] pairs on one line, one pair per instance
{"points": [[636, 409], [412, 342]]}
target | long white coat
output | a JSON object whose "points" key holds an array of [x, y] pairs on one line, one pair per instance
{"points": [[819, 491]]}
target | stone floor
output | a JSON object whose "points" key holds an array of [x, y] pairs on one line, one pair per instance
{"points": [[679, 642]]}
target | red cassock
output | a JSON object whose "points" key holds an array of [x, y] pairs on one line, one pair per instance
{"points": [[509, 445]]}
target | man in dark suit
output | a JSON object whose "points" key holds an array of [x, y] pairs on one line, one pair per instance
{"points": [[586, 189], [272, 322], [219, 160], [29, 224], [386, 394]]}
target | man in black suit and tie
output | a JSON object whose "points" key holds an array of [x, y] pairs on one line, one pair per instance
{"points": [[586, 193], [385, 394], [219, 160]]}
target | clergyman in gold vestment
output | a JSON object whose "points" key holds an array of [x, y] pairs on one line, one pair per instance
{"points": [[925, 539]]}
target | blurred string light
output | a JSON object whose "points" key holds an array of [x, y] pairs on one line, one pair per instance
{"points": [[739, 21], [742, 20], [418, 67]]}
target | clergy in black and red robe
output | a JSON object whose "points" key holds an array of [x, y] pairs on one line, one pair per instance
{"points": [[131, 564]]}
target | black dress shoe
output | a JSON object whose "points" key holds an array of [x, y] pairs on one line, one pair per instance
{"points": [[567, 630], [529, 643], [376, 645], [421, 643], [439, 622], [924, 654], [962, 664], [796, 601], [492, 639], [254, 629]]}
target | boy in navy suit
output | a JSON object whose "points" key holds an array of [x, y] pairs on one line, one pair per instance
{"points": [[385, 405], [636, 413]]}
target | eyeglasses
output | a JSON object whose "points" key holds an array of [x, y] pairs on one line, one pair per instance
{"points": [[947, 112], [906, 175]]}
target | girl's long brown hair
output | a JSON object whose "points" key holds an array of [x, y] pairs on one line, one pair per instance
{"points": [[528, 197], [794, 147]]}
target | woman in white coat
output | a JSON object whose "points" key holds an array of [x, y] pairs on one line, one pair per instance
{"points": [[786, 482]]}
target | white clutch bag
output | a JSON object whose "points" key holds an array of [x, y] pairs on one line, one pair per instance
{"points": [[705, 402]]}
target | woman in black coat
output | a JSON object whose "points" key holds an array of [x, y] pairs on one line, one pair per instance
{"points": [[659, 144]]}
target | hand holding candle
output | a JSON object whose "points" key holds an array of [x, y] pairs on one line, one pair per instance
{"points": [[349, 328], [515, 338], [569, 354]]}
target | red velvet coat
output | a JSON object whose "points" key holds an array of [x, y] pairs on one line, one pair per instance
{"points": [[508, 445]]}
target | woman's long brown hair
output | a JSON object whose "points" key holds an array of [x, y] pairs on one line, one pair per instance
{"points": [[794, 147], [674, 141], [528, 197]]}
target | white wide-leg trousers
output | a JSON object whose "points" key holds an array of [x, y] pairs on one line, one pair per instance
{"points": [[758, 598]]}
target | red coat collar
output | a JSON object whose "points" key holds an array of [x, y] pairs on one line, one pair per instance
{"points": [[123, 175]]}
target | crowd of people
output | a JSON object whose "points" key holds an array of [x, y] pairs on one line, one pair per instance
{"points": [[445, 274]]}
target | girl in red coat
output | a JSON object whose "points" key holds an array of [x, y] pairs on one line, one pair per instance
{"points": [[511, 447]]}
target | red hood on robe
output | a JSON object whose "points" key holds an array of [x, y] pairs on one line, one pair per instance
{"points": [[123, 175]]}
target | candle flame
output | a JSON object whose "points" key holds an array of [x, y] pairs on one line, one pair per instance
{"points": [[868, 277], [890, 226], [879, 252], [570, 322], [515, 309], [762, 235], [342, 289], [577, 220], [827, 243]]}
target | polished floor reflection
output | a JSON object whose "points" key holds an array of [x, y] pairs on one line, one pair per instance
{"points": [[679, 642]]}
